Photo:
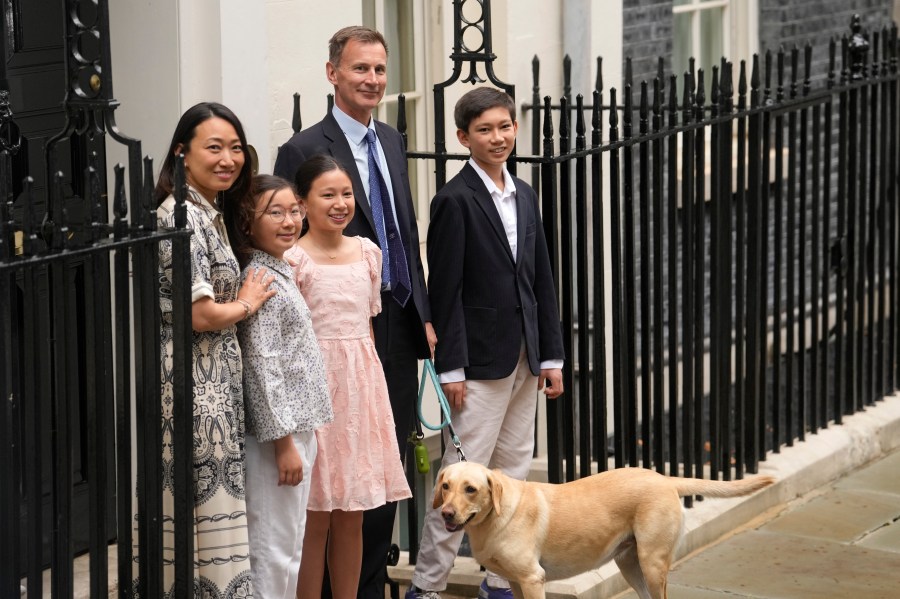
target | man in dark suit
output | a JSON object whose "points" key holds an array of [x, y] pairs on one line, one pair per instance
{"points": [[374, 155], [495, 310]]}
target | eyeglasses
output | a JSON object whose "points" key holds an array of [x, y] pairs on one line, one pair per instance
{"points": [[279, 215]]}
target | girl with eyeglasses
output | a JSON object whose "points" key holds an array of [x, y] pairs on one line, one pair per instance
{"points": [[285, 389]]}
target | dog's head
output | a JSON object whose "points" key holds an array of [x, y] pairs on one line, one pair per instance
{"points": [[466, 494]]}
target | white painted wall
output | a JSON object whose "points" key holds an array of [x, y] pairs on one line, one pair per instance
{"points": [[253, 55], [146, 80], [297, 34], [244, 77], [200, 60], [524, 29], [170, 54]]}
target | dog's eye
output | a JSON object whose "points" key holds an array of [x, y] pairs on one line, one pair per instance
{"points": [[445, 486], [470, 489]]}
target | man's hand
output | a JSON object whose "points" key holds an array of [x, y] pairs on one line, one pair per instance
{"points": [[290, 466], [554, 382], [456, 393], [431, 337]]}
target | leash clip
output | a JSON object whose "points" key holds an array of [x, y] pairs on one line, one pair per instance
{"points": [[458, 446]]}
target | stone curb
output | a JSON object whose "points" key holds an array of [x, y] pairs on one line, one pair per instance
{"points": [[818, 460]]}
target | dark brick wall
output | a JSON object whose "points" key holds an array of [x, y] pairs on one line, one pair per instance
{"points": [[798, 22], [646, 35], [647, 29]]}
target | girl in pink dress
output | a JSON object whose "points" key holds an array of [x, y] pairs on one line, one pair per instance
{"points": [[357, 467]]}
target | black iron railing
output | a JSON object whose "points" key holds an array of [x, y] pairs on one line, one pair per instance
{"points": [[746, 261], [751, 246], [80, 365]]}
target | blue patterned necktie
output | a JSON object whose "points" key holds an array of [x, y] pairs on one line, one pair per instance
{"points": [[394, 269]]}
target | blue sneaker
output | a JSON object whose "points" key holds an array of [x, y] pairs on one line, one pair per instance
{"points": [[486, 592], [414, 592]]}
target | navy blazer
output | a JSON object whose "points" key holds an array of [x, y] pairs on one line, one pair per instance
{"points": [[326, 137], [483, 301]]}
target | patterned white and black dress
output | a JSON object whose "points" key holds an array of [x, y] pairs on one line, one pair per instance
{"points": [[221, 558]]}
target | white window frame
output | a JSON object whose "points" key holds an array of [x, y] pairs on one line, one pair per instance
{"points": [[740, 22], [695, 8], [740, 27]]}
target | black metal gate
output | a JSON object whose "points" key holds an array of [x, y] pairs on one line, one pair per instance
{"points": [[33, 60], [79, 320], [753, 243]]}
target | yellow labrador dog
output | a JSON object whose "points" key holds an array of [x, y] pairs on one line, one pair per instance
{"points": [[533, 532]]}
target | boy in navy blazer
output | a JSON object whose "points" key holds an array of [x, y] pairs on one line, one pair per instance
{"points": [[494, 308]]}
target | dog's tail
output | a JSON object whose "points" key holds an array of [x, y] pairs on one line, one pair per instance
{"points": [[721, 488]]}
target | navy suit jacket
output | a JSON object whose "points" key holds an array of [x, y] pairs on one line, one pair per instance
{"points": [[326, 137], [483, 301]]}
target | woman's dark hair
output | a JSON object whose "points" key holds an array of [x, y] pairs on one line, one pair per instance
{"points": [[184, 133], [240, 218], [310, 170]]}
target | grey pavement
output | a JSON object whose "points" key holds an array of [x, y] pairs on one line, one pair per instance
{"points": [[828, 528], [841, 541]]}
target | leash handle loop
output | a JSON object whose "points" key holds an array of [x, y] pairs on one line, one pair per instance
{"points": [[428, 372]]}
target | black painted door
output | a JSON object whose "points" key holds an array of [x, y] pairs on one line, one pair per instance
{"points": [[34, 73]]}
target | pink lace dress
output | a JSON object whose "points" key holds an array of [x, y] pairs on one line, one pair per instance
{"points": [[358, 465]]}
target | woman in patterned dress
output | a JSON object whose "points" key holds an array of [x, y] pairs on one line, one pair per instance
{"points": [[358, 466], [218, 174]]}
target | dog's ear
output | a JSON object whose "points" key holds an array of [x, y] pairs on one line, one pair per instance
{"points": [[496, 488], [438, 492]]}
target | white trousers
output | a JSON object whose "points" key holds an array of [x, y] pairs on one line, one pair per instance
{"points": [[276, 516], [495, 428]]}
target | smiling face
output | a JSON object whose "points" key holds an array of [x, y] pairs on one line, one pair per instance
{"points": [[359, 79], [213, 158], [266, 232], [329, 203], [490, 138]]}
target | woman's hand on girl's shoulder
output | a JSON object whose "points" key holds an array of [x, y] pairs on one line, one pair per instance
{"points": [[255, 289]]}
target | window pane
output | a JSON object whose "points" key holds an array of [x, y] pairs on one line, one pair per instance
{"points": [[391, 119], [710, 45], [399, 32], [682, 44], [711, 39], [368, 14]]}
